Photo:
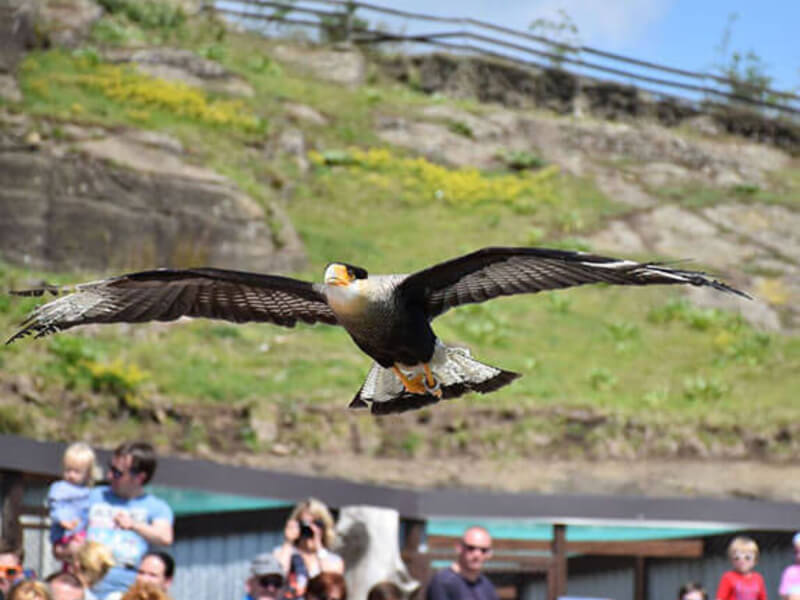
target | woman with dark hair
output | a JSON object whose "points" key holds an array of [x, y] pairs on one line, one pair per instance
{"points": [[692, 590], [326, 586]]}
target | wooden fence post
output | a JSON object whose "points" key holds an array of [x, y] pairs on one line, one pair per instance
{"points": [[11, 490], [558, 572]]}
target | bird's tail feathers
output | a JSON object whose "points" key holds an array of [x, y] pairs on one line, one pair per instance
{"points": [[455, 371]]}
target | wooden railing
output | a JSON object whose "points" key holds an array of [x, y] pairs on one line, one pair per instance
{"points": [[520, 47]]}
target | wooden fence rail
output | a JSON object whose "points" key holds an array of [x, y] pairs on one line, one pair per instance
{"points": [[554, 52]]}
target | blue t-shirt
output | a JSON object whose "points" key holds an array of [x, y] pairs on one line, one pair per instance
{"points": [[127, 546], [449, 585], [67, 502]]}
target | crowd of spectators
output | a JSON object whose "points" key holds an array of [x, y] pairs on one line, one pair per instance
{"points": [[103, 536]]}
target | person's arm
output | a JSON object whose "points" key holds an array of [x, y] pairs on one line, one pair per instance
{"points": [[158, 532], [284, 552], [61, 552]]}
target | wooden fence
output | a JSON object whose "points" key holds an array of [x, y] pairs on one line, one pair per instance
{"points": [[515, 46]]}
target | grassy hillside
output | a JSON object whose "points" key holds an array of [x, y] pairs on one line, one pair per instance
{"points": [[645, 355]]}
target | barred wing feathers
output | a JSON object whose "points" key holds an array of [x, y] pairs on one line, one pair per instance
{"points": [[493, 272], [167, 294]]}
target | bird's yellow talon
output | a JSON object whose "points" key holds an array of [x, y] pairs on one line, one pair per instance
{"points": [[413, 386], [431, 385]]}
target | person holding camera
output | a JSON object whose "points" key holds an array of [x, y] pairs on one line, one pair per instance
{"points": [[306, 549]]}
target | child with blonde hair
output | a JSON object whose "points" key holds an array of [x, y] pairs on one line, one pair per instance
{"points": [[68, 498], [92, 562], [30, 590], [742, 582]]}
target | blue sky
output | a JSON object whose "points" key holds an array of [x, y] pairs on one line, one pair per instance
{"points": [[680, 33]]}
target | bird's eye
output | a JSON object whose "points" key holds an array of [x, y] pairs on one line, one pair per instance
{"points": [[357, 272]]}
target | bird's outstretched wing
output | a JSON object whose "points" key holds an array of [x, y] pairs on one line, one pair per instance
{"points": [[492, 272], [166, 294]]}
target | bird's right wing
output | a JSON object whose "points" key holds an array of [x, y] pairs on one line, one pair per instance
{"points": [[492, 272], [166, 294]]}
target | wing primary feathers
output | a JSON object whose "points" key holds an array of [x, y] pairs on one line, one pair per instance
{"points": [[167, 294], [466, 279]]}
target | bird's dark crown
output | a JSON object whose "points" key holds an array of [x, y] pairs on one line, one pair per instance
{"points": [[354, 271]]}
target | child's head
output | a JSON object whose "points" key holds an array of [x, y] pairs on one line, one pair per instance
{"points": [[79, 463], [93, 561], [796, 543], [692, 590], [743, 554]]}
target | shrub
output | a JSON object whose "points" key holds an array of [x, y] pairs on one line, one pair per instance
{"points": [[699, 388], [117, 379], [602, 379], [142, 93], [147, 13], [460, 128], [520, 160]]}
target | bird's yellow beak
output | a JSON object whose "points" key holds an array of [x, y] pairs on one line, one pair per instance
{"points": [[338, 274]]}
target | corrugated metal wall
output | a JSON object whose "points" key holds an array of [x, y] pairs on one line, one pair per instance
{"points": [[216, 567], [666, 576], [611, 583]]}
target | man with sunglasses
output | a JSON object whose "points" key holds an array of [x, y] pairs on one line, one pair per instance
{"points": [[11, 570], [463, 579], [266, 578], [126, 518]]}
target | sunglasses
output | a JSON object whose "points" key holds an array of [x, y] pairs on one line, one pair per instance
{"points": [[471, 548], [275, 581], [738, 556], [10, 572], [117, 473]]}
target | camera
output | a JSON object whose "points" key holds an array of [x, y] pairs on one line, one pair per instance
{"points": [[305, 531]]}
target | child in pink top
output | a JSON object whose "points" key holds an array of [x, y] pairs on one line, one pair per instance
{"points": [[790, 580], [742, 583]]}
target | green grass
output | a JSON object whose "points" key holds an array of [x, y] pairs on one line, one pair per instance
{"points": [[635, 352]]}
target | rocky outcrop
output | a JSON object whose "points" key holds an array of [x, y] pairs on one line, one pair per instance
{"points": [[495, 81], [66, 22], [129, 201], [340, 64]]}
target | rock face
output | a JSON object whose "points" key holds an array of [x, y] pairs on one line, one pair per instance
{"points": [[63, 210], [341, 64], [67, 22], [495, 81]]}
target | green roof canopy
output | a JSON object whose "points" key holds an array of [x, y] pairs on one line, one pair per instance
{"points": [[191, 502], [529, 529]]}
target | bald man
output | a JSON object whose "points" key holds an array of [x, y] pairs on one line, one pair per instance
{"points": [[463, 578]]}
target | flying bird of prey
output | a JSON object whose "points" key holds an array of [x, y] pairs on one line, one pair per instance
{"points": [[387, 316]]}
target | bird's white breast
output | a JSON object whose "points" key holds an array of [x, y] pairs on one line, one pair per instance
{"points": [[363, 296]]}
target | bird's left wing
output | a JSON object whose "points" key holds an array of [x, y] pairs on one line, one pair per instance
{"points": [[166, 294], [492, 272]]}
